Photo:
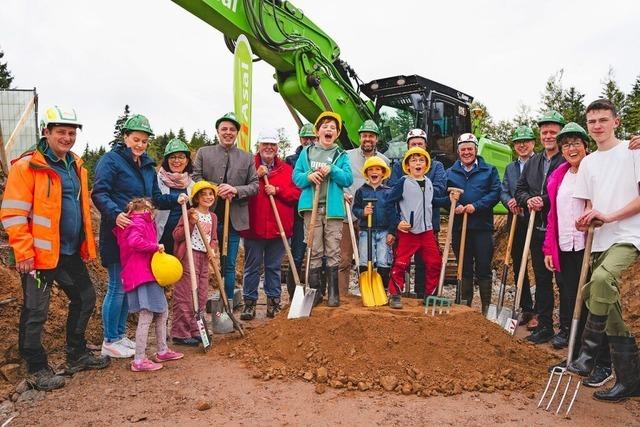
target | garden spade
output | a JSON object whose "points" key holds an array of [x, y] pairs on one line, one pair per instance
{"points": [[371, 281], [366, 294], [303, 296], [496, 313], [202, 328]]}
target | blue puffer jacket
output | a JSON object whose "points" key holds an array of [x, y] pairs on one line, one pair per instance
{"points": [[339, 178], [481, 188], [117, 181], [384, 212]]}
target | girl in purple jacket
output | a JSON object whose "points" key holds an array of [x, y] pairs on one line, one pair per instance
{"points": [[138, 243]]}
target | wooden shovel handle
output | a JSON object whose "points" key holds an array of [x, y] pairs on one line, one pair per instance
{"points": [[512, 232], [192, 268]]}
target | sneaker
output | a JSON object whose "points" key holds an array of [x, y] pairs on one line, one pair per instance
{"points": [[116, 350], [561, 339], [354, 289], [395, 301], [190, 342], [128, 343], [144, 365], [541, 335], [532, 325], [45, 380], [598, 377], [167, 355], [86, 361]]}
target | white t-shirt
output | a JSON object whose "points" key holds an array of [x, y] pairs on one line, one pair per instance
{"points": [[569, 210], [610, 180]]}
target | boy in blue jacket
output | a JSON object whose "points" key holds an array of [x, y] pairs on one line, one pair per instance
{"points": [[413, 194], [324, 165], [372, 199]]}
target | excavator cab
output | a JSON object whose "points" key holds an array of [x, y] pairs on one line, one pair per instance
{"points": [[406, 102]]}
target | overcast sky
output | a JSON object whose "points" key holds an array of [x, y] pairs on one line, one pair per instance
{"points": [[165, 63]]}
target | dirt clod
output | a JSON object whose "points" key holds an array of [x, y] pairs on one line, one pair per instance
{"points": [[203, 406], [320, 388], [389, 382], [321, 374]]}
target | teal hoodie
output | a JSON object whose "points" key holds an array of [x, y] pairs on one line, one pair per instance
{"points": [[339, 178]]}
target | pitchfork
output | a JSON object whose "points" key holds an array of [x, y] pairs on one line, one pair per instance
{"points": [[559, 372]]}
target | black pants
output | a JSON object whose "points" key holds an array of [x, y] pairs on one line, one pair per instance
{"points": [[517, 248], [570, 263], [418, 284], [73, 278], [478, 251], [544, 281]]}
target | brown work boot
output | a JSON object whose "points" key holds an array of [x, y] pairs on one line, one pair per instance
{"points": [[273, 307]]}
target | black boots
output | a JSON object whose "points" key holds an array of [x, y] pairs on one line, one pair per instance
{"points": [[249, 310], [46, 380], [273, 307], [332, 286], [316, 282], [291, 283], [85, 361], [561, 339], [624, 355], [384, 274], [466, 293], [592, 340], [484, 286]]}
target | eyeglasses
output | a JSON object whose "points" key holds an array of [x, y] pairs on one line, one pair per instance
{"points": [[178, 157], [522, 142], [569, 145]]}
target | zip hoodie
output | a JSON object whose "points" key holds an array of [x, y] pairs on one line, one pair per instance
{"points": [[413, 204]]}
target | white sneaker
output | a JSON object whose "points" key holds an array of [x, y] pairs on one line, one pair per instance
{"points": [[354, 289], [127, 342], [116, 350]]}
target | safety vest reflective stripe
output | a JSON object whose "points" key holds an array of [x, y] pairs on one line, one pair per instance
{"points": [[42, 244], [16, 204], [42, 220], [14, 220]]}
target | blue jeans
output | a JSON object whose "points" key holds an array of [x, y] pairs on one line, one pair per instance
{"points": [[298, 246], [114, 307], [257, 252], [232, 255], [381, 253]]}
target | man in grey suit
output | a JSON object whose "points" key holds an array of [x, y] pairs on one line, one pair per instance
{"points": [[234, 171], [523, 141]]}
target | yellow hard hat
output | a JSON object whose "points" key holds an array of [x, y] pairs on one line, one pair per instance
{"points": [[415, 150], [166, 268], [329, 114], [201, 185], [376, 161]]}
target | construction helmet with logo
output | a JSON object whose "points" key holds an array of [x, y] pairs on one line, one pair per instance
{"points": [[523, 133], [57, 115], [306, 131], [166, 268], [176, 145], [201, 185], [329, 115], [467, 137], [137, 122], [552, 116], [376, 161], [417, 133], [229, 117], [369, 126], [410, 152], [573, 129]]}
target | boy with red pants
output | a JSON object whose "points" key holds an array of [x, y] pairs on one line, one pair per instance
{"points": [[413, 194]]}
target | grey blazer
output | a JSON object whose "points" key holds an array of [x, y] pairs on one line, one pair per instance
{"points": [[211, 164]]}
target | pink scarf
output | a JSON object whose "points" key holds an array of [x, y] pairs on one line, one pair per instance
{"points": [[174, 179]]}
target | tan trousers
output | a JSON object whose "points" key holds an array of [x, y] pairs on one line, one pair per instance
{"points": [[326, 240], [346, 255]]}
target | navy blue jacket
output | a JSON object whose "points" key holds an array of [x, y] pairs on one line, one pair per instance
{"points": [[481, 188], [438, 179], [118, 180], [384, 212]]}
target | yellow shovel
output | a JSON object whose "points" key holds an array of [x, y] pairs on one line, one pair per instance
{"points": [[371, 281]]}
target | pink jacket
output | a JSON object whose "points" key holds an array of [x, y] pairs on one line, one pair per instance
{"points": [[551, 245], [138, 242]]}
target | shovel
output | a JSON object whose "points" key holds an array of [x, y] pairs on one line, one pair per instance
{"points": [[303, 296], [371, 281], [496, 313], [438, 302], [513, 321], [463, 239], [223, 294], [356, 254], [202, 329]]}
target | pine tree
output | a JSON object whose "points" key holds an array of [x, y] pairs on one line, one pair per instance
{"points": [[5, 75], [199, 139], [552, 97], [573, 108], [117, 131], [182, 135], [631, 115], [90, 159], [612, 92]]}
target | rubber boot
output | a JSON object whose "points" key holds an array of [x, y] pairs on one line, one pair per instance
{"points": [[624, 355], [384, 274], [249, 310], [273, 307], [484, 286], [333, 287], [316, 282], [592, 339], [466, 293]]}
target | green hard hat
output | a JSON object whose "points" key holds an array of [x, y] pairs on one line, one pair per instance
{"points": [[307, 131], [229, 117], [369, 126], [523, 133], [176, 145], [575, 129], [138, 122], [552, 116]]}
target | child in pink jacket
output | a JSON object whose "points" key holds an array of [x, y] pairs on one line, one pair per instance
{"points": [[138, 242]]}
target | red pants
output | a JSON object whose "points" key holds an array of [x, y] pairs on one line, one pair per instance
{"points": [[409, 244]]}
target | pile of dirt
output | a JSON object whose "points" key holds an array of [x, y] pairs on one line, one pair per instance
{"points": [[404, 351]]}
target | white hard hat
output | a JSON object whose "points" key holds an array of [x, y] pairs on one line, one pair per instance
{"points": [[467, 137], [61, 116], [268, 137], [417, 133]]}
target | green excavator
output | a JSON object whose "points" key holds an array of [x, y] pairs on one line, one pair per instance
{"points": [[311, 78]]}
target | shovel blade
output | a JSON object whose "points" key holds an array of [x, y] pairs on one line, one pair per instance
{"points": [[512, 324], [221, 322], [302, 302], [492, 313], [204, 335], [504, 316], [379, 294], [366, 290]]}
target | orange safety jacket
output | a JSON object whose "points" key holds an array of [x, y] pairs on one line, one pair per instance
{"points": [[31, 210]]}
